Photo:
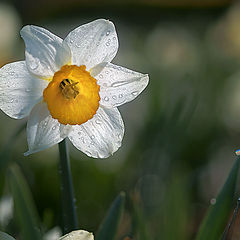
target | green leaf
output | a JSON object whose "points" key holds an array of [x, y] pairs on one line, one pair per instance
{"points": [[5, 236], [108, 228], [8, 146], [26, 214], [217, 216]]}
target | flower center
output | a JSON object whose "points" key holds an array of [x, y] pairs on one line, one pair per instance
{"points": [[69, 88], [72, 96]]}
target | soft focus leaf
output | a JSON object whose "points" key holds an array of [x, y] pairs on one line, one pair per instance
{"points": [[5, 236], [108, 229], [24, 208], [216, 219], [4, 154]]}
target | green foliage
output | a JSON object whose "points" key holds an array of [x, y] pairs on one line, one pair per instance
{"points": [[109, 227], [218, 214], [25, 210]]}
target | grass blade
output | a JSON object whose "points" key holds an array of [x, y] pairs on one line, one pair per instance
{"points": [[26, 214], [217, 216], [5, 236], [108, 229]]}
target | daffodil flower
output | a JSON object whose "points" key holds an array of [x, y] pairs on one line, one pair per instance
{"points": [[70, 89], [78, 235]]}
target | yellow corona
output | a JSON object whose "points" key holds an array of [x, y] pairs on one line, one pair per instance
{"points": [[72, 96]]}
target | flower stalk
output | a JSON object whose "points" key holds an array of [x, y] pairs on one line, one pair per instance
{"points": [[70, 221]]}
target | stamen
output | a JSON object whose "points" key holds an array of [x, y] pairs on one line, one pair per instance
{"points": [[69, 88]]}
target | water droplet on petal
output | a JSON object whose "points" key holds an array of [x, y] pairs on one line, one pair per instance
{"points": [[78, 44], [98, 121], [114, 97], [107, 44], [135, 93], [89, 154], [106, 99], [92, 137], [107, 33], [101, 76], [120, 95], [54, 127], [71, 40], [34, 64]]}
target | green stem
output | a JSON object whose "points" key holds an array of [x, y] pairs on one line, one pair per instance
{"points": [[70, 221]]}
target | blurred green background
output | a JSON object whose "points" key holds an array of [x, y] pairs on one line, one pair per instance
{"points": [[181, 132]]}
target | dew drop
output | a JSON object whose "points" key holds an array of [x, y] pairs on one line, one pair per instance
{"points": [[106, 99], [135, 93], [78, 44], [101, 76], [92, 137], [27, 90], [98, 121], [120, 95], [107, 72], [119, 83], [83, 140], [71, 40], [88, 153], [11, 101], [107, 44], [107, 33], [11, 73], [114, 38], [54, 127], [114, 97], [45, 123], [34, 64]]}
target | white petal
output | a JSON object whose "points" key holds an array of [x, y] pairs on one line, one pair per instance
{"points": [[100, 136], [19, 91], [78, 235], [42, 130], [93, 43], [45, 52], [118, 85]]}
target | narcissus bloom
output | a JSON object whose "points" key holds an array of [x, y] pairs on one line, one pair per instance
{"points": [[78, 235], [70, 89]]}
